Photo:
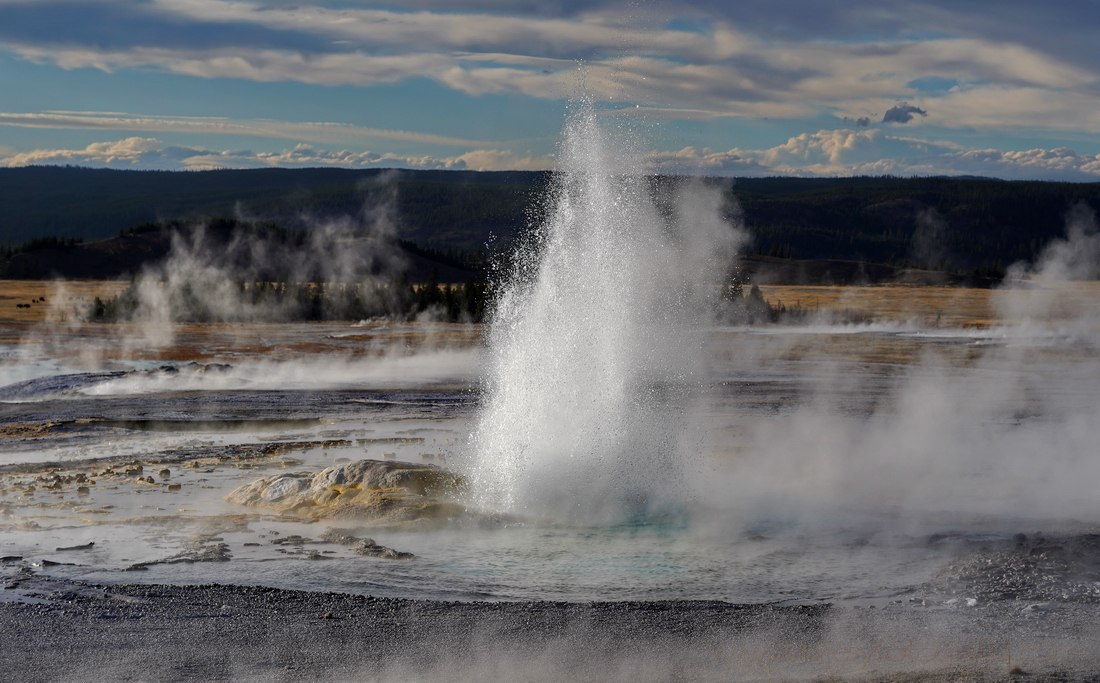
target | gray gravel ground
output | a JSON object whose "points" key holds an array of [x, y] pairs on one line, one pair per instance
{"points": [[56, 629]]}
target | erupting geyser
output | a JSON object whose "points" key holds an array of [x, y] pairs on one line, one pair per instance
{"points": [[595, 337]]}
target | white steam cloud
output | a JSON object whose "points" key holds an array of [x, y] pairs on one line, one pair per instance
{"points": [[220, 278], [1003, 430]]}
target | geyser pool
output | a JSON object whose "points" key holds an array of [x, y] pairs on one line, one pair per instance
{"points": [[595, 328]]}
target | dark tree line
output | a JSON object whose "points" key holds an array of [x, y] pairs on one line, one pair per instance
{"points": [[40, 244], [964, 226], [264, 301]]}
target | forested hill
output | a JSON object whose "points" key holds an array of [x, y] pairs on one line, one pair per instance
{"points": [[457, 209], [962, 225]]}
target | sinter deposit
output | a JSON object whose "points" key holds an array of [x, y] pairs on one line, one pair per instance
{"points": [[374, 490]]}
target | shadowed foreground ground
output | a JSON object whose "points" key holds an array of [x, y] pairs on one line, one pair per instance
{"points": [[53, 629]]}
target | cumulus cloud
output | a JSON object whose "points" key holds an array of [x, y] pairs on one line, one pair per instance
{"points": [[1059, 163], [902, 113], [501, 160], [133, 152], [872, 152], [704, 161], [151, 153], [822, 147], [842, 152]]}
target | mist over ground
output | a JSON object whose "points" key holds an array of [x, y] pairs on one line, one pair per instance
{"points": [[1003, 433]]}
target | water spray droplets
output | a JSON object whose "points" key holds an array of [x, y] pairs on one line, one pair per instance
{"points": [[570, 423]]}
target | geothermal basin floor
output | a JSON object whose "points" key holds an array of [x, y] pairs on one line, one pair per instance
{"points": [[990, 571], [56, 629]]}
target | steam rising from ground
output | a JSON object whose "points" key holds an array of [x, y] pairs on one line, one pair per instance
{"points": [[1008, 432], [203, 276], [595, 336], [212, 274]]}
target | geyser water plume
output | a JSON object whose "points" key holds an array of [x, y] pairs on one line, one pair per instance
{"points": [[595, 338]]}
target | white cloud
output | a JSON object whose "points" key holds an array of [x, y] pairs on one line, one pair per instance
{"points": [[824, 153], [134, 152], [501, 160], [718, 68], [1059, 162], [151, 153], [870, 152], [696, 161], [312, 131], [307, 156], [824, 149], [448, 31], [263, 65], [998, 107]]}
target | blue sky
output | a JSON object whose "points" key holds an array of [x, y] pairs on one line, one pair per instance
{"points": [[1008, 89]]}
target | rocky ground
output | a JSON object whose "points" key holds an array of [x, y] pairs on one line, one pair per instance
{"points": [[56, 629]]}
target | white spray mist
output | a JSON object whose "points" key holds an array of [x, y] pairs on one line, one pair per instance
{"points": [[595, 338]]}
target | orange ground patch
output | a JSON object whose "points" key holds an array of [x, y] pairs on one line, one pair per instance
{"points": [[944, 306], [35, 301]]}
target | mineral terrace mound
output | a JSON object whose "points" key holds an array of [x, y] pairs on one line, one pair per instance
{"points": [[383, 492]]}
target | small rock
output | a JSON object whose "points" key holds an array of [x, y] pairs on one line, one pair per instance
{"points": [[369, 548], [175, 487], [342, 537], [86, 546], [293, 539]]}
